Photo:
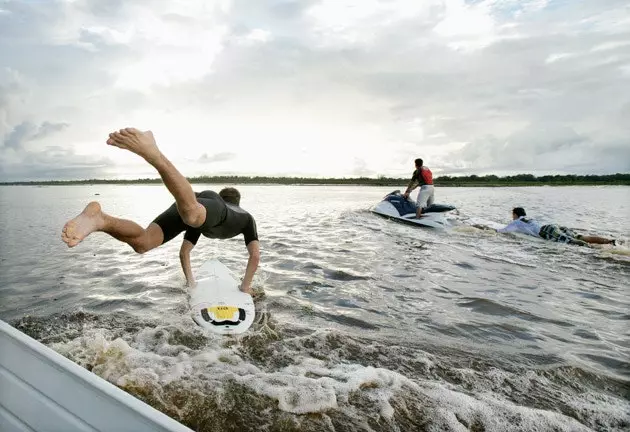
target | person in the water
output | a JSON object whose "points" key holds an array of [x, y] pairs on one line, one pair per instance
{"points": [[524, 225], [208, 213]]}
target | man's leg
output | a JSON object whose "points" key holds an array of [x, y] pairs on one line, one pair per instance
{"points": [[92, 219], [569, 233], [431, 199], [143, 144], [596, 239], [423, 197]]}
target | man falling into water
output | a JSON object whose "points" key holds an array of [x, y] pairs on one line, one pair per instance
{"points": [[208, 213]]}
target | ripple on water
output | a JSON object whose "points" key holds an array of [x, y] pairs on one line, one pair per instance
{"points": [[490, 307], [343, 275], [585, 334]]}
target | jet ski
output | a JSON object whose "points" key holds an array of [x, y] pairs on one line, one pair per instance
{"points": [[395, 206]]}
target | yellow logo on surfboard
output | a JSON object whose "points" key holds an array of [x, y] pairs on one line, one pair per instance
{"points": [[223, 312]]}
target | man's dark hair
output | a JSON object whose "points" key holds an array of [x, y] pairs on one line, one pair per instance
{"points": [[519, 211], [418, 162], [230, 195]]}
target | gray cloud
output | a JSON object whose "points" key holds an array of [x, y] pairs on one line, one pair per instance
{"points": [[361, 169], [27, 131], [19, 135], [52, 163], [544, 148], [548, 90], [47, 128], [11, 90], [497, 89]]}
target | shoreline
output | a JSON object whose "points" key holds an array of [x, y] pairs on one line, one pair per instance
{"points": [[520, 180], [398, 185]]}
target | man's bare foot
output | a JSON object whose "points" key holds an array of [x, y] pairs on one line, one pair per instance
{"points": [[141, 143], [90, 220]]}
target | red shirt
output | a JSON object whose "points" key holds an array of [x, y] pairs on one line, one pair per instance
{"points": [[423, 176]]}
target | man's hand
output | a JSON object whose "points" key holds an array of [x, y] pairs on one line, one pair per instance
{"points": [[184, 258], [247, 289], [252, 264], [483, 227], [406, 195]]}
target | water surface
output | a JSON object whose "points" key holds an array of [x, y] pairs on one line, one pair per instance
{"points": [[366, 324]]}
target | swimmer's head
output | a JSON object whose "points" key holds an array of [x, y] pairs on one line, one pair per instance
{"points": [[230, 195], [518, 212]]}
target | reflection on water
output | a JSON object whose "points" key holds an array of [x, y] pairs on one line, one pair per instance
{"points": [[366, 324]]}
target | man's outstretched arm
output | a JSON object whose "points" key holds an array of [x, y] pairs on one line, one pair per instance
{"points": [[253, 247], [184, 258]]}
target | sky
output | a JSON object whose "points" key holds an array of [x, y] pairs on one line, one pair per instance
{"points": [[324, 88]]}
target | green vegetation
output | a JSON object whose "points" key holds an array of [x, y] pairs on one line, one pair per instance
{"points": [[531, 180], [473, 180]]}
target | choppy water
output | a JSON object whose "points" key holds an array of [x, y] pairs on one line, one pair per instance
{"points": [[366, 325]]}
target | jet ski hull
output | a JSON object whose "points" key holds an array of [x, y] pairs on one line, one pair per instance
{"points": [[397, 208]]}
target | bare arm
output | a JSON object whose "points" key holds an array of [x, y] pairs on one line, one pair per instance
{"points": [[412, 185], [184, 258], [511, 227], [253, 248], [484, 227]]}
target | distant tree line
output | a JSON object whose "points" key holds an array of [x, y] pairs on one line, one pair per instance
{"points": [[472, 180], [531, 180]]}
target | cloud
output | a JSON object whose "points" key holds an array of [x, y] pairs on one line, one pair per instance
{"points": [[361, 169], [47, 128], [19, 134], [544, 148], [465, 85], [27, 131], [21, 158], [49, 163]]}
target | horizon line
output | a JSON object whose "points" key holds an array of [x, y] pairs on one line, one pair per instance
{"points": [[381, 178]]}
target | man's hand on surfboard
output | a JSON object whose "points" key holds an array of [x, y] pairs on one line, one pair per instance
{"points": [[247, 289]]}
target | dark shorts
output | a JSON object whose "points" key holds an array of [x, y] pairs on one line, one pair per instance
{"points": [[172, 224], [560, 234]]}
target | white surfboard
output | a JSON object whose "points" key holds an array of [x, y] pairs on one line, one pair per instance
{"points": [[217, 303]]}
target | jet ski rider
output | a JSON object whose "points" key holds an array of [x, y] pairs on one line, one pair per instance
{"points": [[422, 177]]}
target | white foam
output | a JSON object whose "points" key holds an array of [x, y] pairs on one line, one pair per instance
{"points": [[122, 364], [295, 394], [495, 415], [315, 386], [311, 386]]}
